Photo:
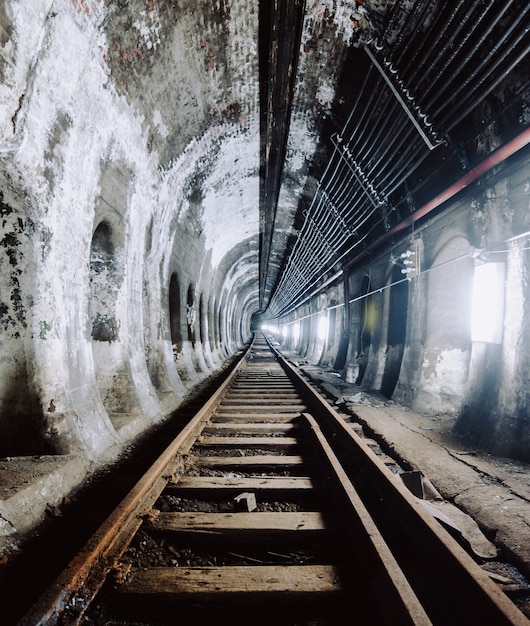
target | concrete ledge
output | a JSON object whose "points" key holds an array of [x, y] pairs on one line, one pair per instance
{"points": [[29, 486]]}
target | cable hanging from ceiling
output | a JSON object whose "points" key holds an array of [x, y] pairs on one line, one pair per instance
{"points": [[431, 67]]}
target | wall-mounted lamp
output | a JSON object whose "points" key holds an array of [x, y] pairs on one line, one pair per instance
{"points": [[411, 261]]}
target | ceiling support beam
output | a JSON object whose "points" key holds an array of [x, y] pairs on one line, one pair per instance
{"points": [[280, 33]]}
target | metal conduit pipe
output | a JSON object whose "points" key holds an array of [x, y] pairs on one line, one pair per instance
{"points": [[336, 231], [319, 199], [338, 234], [394, 161], [336, 219], [300, 252], [295, 303], [415, 15], [312, 213], [299, 278], [304, 253], [455, 51], [327, 178], [389, 114], [420, 16], [378, 109], [483, 69], [414, 160], [326, 231], [309, 250], [340, 191], [441, 25], [387, 161], [361, 91], [495, 158], [450, 52], [359, 217], [361, 221], [360, 135], [431, 37], [393, 16], [374, 92], [506, 71], [407, 163], [359, 176]]}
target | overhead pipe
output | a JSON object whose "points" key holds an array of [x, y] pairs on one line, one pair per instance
{"points": [[505, 72], [432, 40], [509, 149], [455, 50], [484, 69], [495, 158], [416, 15]]}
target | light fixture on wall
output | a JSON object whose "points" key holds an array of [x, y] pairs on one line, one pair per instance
{"points": [[487, 305], [411, 261]]}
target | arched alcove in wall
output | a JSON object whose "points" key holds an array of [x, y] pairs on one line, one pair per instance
{"points": [[112, 369], [203, 327], [447, 345], [190, 314], [105, 278], [212, 326], [175, 325], [396, 331], [150, 326], [365, 328], [175, 314]]}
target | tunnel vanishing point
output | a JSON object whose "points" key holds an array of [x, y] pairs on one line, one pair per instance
{"points": [[351, 176]]}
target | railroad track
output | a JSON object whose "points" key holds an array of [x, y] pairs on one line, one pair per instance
{"points": [[268, 508]]}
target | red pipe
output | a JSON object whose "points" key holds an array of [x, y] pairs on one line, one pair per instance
{"points": [[522, 140]]}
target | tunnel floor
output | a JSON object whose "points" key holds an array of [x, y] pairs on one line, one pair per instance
{"points": [[494, 492]]}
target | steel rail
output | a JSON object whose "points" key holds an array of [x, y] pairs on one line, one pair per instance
{"points": [[481, 600], [265, 390], [79, 582]]}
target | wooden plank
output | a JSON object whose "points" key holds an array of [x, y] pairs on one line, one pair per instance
{"points": [[261, 404], [267, 383], [254, 523], [250, 417], [261, 408], [268, 386], [196, 483], [249, 429], [245, 442], [268, 460], [214, 583], [259, 395]]}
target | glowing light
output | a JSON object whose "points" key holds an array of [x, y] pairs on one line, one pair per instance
{"points": [[296, 331], [322, 328], [487, 306]]}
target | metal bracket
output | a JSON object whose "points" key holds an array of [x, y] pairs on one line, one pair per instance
{"points": [[406, 101]]}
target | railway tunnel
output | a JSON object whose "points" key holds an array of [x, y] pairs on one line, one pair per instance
{"points": [[351, 177]]}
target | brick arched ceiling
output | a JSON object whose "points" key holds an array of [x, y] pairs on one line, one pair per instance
{"points": [[311, 128]]}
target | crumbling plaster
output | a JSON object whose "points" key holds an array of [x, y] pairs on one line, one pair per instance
{"points": [[96, 129]]}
